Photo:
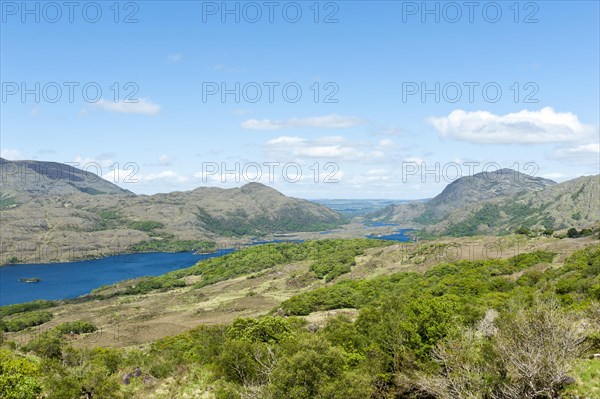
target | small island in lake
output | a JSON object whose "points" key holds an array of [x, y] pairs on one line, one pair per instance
{"points": [[30, 280]]}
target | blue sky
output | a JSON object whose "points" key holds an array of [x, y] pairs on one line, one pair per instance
{"points": [[368, 134]]}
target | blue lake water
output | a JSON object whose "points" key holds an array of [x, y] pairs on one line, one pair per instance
{"points": [[379, 224], [398, 235], [73, 279]]}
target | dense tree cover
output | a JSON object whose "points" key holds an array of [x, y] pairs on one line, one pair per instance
{"points": [[173, 246], [477, 285], [489, 329]]}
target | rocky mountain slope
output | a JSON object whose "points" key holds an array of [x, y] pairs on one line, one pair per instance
{"points": [[499, 202], [26, 180], [53, 212]]}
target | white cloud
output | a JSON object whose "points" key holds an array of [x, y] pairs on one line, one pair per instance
{"points": [[554, 175], [580, 154], [143, 106], [11, 154], [173, 58], [286, 140], [328, 148], [165, 160], [105, 161], [167, 176], [332, 121], [591, 148], [378, 175], [543, 126]]}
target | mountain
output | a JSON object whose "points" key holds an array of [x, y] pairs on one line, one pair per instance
{"points": [[53, 212], [574, 203], [462, 192], [25, 180], [499, 202]]}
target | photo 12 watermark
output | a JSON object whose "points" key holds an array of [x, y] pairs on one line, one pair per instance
{"points": [[254, 172], [54, 12], [252, 12], [437, 172], [89, 172], [471, 92], [72, 91], [270, 92], [452, 12]]}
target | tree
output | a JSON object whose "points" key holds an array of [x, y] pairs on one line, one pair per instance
{"points": [[49, 344], [525, 356], [466, 369], [317, 370], [537, 347], [18, 377], [572, 233]]}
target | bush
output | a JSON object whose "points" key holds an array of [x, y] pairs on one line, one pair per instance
{"points": [[76, 327], [18, 377], [265, 329], [26, 320], [25, 307], [572, 233], [48, 344]]}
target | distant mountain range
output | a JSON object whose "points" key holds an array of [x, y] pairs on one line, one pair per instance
{"points": [[55, 212], [499, 202], [52, 211]]}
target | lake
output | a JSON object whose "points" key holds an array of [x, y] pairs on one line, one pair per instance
{"points": [[398, 235], [73, 279]]}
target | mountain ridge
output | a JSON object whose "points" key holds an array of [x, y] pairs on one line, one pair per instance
{"points": [[98, 216], [510, 199]]}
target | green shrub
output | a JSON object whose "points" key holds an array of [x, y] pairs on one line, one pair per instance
{"points": [[76, 327], [19, 377], [25, 307], [22, 321], [146, 225]]}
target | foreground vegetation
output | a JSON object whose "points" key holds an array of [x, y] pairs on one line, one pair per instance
{"points": [[331, 258], [522, 327]]}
